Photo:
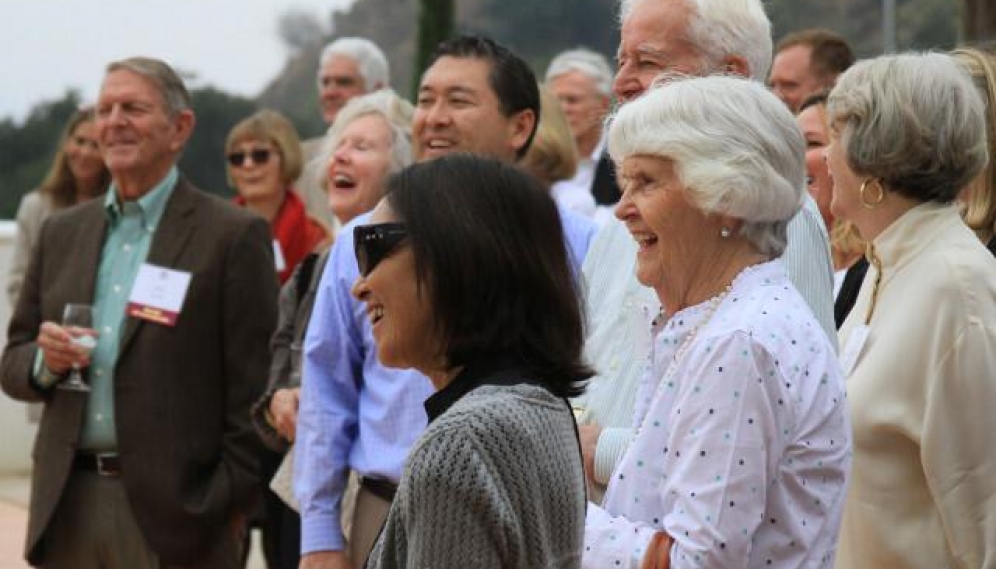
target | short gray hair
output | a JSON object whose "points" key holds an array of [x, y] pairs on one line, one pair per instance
{"points": [[385, 103], [735, 147], [585, 61], [174, 93], [369, 58], [721, 28], [915, 121]]}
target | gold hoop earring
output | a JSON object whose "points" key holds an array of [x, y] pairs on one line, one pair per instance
{"points": [[861, 194]]}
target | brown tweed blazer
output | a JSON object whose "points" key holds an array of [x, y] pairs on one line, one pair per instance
{"points": [[182, 394]]}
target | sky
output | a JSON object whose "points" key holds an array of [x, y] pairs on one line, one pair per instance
{"points": [[49, 46]]}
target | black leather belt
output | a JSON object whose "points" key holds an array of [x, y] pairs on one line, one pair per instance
{"points": [[104, 464], [379, 487]]}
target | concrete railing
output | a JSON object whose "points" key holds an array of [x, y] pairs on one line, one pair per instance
{"points": [[17, 433]]}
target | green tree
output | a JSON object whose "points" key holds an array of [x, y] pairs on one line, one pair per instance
{"points": [[26, 151], [978, 20], [435, 24], [203, 160]]}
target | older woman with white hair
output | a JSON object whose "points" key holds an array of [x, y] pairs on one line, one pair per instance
{"points": [[907, 134], [741, 444], [369, 140]]}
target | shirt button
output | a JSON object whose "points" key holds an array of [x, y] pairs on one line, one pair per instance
{"points": [[100, 373], [107, 329], [99, 417], [117, 289], [126, 247]]}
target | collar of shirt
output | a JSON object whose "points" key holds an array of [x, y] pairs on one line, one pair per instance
{"points": [[150, 206], [483, 371], [596, 154]]}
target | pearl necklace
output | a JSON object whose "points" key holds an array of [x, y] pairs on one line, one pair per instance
{"points": [[714, 304]]}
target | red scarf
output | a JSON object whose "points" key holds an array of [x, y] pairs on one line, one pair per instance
{"points": [[297, 233]]}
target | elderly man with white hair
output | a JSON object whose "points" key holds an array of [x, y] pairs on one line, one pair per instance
{"points": [[691, 37], [348, 67], [582, 82], [741, 447]]}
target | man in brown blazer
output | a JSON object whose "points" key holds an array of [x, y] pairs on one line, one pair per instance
{"points": [[155, 465]]}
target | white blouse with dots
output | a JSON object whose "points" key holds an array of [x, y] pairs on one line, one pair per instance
{"points": [[742, 454]]}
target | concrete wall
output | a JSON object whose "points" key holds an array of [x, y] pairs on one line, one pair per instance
{"points": [[17, 433]]}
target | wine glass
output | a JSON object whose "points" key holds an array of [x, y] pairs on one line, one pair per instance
{"points": [[75, 317]]}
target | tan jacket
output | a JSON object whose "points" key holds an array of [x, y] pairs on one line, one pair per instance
{"points": [[923, 483], [33, 210]]}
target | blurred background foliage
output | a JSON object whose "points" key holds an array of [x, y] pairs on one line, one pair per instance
{"points": [[536, 29]]}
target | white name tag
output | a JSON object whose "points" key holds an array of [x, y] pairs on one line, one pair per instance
{"points": [[855, 343], [158, 294], [278, 256]]}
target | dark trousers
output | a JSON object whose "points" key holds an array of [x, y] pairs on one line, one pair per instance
{"points": [[280, 525], [93, 528]]}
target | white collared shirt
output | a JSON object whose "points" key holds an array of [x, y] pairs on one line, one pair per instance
{"points": [[575, 194]]}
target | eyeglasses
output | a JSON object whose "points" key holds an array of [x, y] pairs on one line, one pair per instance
{"points": [[258, 156], [372, 243]]}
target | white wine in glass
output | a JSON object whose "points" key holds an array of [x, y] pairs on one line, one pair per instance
{"points": [[77, 316]]}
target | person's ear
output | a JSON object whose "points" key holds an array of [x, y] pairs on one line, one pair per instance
{"points": [[520, 126], [736, 65], [183, 125]]}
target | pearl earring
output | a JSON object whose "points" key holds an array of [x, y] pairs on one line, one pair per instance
{"points": [[724, 232]]}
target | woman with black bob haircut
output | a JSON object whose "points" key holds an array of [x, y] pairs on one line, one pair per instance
{"points": [[466, 278]]}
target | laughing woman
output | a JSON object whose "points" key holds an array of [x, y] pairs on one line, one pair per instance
{"points": [[741, 446], [491, 315]]}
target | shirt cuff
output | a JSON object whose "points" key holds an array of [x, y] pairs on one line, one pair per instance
{"points": [[321, 533], [612, 443], [40, 374]]}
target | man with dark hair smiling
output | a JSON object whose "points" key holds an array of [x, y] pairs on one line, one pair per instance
{"points": [[478, 97]]}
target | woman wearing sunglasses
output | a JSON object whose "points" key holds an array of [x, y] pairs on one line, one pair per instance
{"points": [[491, 315], [264, 158]]}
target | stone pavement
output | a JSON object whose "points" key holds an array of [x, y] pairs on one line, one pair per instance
{"points": [[13, 520], [14, 492]]}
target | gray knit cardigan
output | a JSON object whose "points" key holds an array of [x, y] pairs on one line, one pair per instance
{"points": [[495, 481]]}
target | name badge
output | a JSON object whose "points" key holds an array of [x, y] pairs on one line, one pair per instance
{"points": [[278, 256], [855, 343], [158, 294]]}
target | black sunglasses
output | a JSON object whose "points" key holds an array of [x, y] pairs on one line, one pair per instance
{"points": [[258, 156], [372, 243]]}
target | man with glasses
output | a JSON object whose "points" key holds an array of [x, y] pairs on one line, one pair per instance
{"points": [[154, 463], [476, 96], [348, 67], [582, 82]]}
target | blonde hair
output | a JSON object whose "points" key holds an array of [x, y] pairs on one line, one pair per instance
{"points": [[59, 184], [980, 212], [846, 244], [553, 155], [269, 126]]}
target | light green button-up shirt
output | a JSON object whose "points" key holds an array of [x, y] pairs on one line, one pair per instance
{"points": [[131, 226]]}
